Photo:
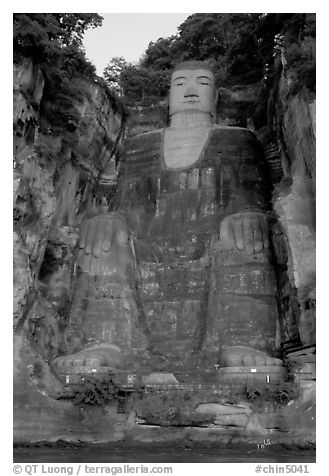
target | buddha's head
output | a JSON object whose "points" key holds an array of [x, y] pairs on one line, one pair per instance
{"points": [[192, 88]]}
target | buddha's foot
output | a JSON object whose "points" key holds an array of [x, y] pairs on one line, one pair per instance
{"points": [[240, 356], [242, 364], [89, 359]]}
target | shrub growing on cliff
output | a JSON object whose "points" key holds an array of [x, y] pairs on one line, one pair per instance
{"points": [[292, 366], [285, 392], [281, 393], [254, 390], [92, 392]]}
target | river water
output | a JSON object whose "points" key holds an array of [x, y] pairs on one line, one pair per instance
{"points": [[174, 455]]}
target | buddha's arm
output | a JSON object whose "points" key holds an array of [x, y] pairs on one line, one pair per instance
{"points": [[247, 231], [246, 224], [108, 240], [104, 244]]}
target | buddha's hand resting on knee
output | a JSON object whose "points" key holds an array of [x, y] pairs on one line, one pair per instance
{"points": [[104, 245], [247, 231]]}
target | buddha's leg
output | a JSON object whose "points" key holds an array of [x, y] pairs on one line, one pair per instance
{"points": [[103, 326], [242, 315], [104, 329]]}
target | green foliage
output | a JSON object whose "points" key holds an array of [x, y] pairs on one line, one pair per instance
{"points": [[159, 54], [112, 73], [43, 36], [298, 45], [285, 392], [178, 407], [137, 84], [201, 36], [281, 393], [159, 403], [54, 42], [93, 392], [301, 62], [291, 366], [240, 45], [254, 390]]}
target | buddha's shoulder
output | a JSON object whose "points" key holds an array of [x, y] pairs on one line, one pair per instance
{"points": [[234, 130], [232, 135], [145, 137], [143, 148]]}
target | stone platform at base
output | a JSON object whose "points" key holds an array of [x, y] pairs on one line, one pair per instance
{"points": [[224, 375], [265, 374]]}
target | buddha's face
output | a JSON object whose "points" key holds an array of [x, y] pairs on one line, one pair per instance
{"points": [[192, 90]]}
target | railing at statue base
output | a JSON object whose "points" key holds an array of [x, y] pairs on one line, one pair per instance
{"points": [[210, 379]]}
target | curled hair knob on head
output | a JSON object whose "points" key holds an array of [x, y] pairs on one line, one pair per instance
{"points": [[194, 64]]}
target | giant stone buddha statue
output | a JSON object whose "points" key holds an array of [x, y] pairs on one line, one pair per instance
{"points": [[178, 269]]}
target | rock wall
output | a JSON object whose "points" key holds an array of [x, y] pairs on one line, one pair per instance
{"points": [[229, 424], [56, 174], [294, 201], [56, 182]]}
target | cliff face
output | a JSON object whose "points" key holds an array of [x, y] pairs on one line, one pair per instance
{"points": [[57, 180], [294, 200], [55, 175]]}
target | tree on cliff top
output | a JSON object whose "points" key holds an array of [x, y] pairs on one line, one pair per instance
{"points": [[43, 36], [112, 73], [54, 42], [242, 49]]}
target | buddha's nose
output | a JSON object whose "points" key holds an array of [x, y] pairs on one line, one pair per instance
{"points": [[191, 91]]}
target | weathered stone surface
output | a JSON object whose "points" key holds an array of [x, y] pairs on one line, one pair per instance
{"points": [[219, 409], [22, 278], [38, 416], [173, 216], [179, 283], [52, 185], [47, 194], [240, 320], [298, 124], [235, 420], [266, 374], [29, 80], [226, 415], [295, 204], [299, 415], [255, 425], [28, 90], [297, 215], [160, 378], [104, 312]]}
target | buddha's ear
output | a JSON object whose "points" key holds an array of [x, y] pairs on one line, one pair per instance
{"points": [[214, 107], [216, 98], [166, 106]]}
